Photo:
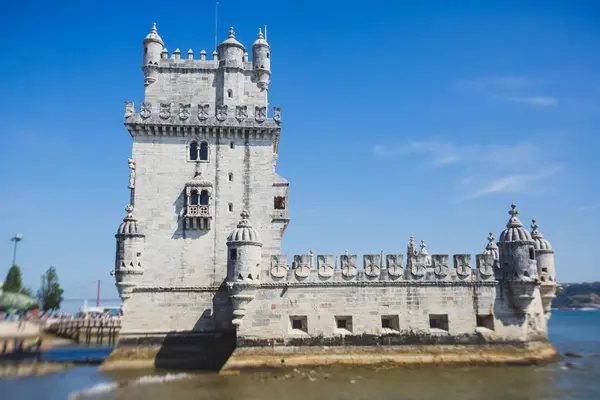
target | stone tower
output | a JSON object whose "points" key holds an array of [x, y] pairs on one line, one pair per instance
{"points": [[204, 149]]}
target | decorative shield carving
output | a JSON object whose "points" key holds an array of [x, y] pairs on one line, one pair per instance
{"points": [[418, 269], [325, 265], [277, 114], [129, 109], [165, 110], [372, 264], [302, 262], [146, 110], [440, 265], [279, 267], [348, 263], [485, 265], [462, 263], [184, 111], [395, 264], [260, 113], [221, 112], [241, 112], [203, 110]]}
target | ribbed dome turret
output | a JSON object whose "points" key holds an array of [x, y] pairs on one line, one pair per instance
{"points": [[514, 231], [129, 226], [153, 36], [260, 40], [538, 238], [491, 249], [244, 231], [231, 41]]}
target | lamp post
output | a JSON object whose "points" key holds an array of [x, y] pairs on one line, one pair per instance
{"points": [[17, 238]]}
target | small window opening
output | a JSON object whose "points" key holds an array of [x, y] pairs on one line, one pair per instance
{"points": [[299, 323], [390, 322], [526, 273], [193, 151], [531, 253], [249, 276], [230, 207], [230, 177], [139, 254], [240, 277], [545, 270], [438, 321], [145, 50], [268, 55], [344, 322], [229, 93], [204, 198], [231, 145], [233, 254], [485, 321], [194, 197], [204, 151], [279, 203]]}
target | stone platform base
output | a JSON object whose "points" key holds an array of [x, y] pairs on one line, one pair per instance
{"points": [[219, 357]]}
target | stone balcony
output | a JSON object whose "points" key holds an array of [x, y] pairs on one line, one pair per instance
{"points": [[197, 217]]}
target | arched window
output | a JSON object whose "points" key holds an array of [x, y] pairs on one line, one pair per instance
{"points": [[204, 198], [193, 151], [194, 197], [203, 151]]}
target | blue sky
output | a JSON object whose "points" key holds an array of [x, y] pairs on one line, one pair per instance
{"points": [[398, 117]]}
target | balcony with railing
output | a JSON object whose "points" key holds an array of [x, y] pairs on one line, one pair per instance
{"points": [[197, 216]]}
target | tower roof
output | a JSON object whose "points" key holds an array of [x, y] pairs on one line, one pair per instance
{"points": [[514, 231], [538, 238], [153, 36], [244, 231], [260, 40], [231, 41], [491, 248], [129, 226], [423, 251]]}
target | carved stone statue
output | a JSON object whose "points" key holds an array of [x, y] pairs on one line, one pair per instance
{"points": [[132, 173], [129, 109], [277, 114]]}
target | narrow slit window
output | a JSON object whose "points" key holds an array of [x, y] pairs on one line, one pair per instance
{"points": [[229, 93], [233, 254], [230, 207], [531, 253], [230, 177], [231, 145]]}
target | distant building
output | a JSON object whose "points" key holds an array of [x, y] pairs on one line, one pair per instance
{"points": [[197, 281]]}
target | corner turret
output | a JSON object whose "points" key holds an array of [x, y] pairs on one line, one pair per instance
{"points": [[544, 255], [128, 263], [153, 46], [244, 255], [231, 52], [517, 262], [261, 60]]}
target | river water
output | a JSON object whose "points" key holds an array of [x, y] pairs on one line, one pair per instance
{"points": [[570, 331]]}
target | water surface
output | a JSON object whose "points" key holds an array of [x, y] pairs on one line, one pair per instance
{"points": [[570, 331]]}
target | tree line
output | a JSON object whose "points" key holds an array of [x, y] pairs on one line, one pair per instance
{"points": [[49, 295]]}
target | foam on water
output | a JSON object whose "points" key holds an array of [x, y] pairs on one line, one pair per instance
{"points": [[109, 386]]}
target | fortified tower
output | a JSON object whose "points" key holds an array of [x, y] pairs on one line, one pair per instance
{"points": [[204, 149]]}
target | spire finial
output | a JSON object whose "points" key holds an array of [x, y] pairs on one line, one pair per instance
{"points": [[423, 245], [260, 34], [154, 30], [534, 224], [491, 238], [231, 34], [513, 210], [245, 214], [129, 209], [514, 221]]}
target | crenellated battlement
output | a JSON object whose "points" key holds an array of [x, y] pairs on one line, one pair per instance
{"points": [[379, 268]]}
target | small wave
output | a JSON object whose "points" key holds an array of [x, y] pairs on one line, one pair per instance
{"points": [[96, 389], [160, 378], [109, 386]]}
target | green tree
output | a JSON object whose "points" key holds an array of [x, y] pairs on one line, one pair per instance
{"points": [[13, 282], [50, 294]]}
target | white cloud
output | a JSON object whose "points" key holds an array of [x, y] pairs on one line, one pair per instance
{"points": [[590, 207], [536, 101], [509, 88], [482, 169]]}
